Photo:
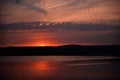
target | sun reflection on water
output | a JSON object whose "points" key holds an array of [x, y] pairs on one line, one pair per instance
{"points": [[41, 66]]}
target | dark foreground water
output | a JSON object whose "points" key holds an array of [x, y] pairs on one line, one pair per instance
{"points": [[59, 68]]}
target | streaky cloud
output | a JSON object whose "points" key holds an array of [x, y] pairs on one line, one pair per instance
{"points": [[82, 11], [51, 27]]}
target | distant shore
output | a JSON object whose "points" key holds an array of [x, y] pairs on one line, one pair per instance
{"points": [[113, 50]]}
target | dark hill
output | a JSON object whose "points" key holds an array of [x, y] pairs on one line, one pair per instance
{"points": [[113, 50]]}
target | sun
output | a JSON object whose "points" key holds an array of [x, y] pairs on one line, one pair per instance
{"points": [[42, 45]]}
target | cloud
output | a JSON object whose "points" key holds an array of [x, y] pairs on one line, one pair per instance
{"points": [[34, 8], [51, 27], [82, 11]]}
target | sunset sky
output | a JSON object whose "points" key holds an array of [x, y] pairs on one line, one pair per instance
{"points": [[97, 13]]}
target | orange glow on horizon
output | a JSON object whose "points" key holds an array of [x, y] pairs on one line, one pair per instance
{"points": [[43, 44], [35, 44]]}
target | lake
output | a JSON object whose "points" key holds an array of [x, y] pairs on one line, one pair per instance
{"points": [[59, 68]]}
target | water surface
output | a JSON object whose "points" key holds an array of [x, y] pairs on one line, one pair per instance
{"points": [[59, 68]]}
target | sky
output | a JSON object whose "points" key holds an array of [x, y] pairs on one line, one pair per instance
{"points": [[104, 15]]}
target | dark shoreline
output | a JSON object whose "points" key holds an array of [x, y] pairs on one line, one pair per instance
{"points": [[113, 50]]}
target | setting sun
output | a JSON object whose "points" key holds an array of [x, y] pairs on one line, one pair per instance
{"points": [[42, 45]]}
